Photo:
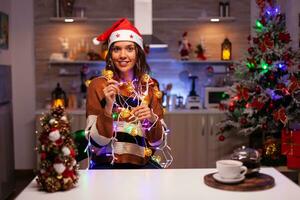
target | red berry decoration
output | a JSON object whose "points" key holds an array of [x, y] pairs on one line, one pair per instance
{"points": [[221, 138], [257, 90]]}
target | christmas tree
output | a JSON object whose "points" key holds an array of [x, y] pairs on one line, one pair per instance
{"points": [[265, 96], [57, 166]]}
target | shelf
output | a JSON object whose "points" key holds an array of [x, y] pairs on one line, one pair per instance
{"points": [[76, 62], [200, 19], [158, 19], [167, 60]]}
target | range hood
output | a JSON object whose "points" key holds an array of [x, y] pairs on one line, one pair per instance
{"points": [[143, 22]]}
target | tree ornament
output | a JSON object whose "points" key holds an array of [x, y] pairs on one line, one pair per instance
{"points": [[108, 74], [134, 132], [231, 108], [243, 121], [125, 113], [257, 89], [158, 94], [64, 118], [66, 151], [54, 135], [148, 152], [59, 167], [145, 78], [221, 138]]}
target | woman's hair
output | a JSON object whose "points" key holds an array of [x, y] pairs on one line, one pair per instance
{"points": [[141, 67]]}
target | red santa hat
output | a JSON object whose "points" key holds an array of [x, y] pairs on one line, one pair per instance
{"points": [[122, 30]]}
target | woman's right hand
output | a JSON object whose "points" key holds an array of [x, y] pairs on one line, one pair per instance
{"points": [[110, 92]]}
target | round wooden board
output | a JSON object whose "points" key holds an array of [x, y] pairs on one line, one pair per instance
{"points": [[255, 183]]}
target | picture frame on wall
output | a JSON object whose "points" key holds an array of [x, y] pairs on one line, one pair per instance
{"points": [[4, 30]]}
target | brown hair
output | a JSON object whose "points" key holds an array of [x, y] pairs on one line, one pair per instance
{"points": [[141, 67]]}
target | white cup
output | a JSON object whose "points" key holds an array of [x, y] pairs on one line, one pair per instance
{"points": [[231, 169]]}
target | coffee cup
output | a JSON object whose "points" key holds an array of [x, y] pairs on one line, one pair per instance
{"points": [[231, 169]]}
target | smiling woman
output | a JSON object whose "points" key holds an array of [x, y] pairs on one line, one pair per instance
{"points": [[124, 110]]}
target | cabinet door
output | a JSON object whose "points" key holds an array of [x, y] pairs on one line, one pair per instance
{"points": [[187, 140], [6, 151], [213, 144]]}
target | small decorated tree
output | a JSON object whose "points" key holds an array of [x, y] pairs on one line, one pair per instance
{"points": [[264, 99], [56, 150]]}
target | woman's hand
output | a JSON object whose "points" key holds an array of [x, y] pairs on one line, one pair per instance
{"points": [[110, 92], [144, 112]]}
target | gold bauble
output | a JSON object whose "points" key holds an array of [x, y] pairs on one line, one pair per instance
{"points": [[108, 74], [146, 100], [145, 78], [125, 113], [148, 152], [130, 88], [158, 94], [134, 132]]}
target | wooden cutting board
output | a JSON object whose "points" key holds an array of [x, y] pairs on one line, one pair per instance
{"points": [[258, 182]]}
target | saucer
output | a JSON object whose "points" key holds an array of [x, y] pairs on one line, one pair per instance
{"points": [[217, 177]]}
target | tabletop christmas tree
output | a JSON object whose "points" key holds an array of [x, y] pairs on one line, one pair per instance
{"points": [[265, 95], [57, 166]]}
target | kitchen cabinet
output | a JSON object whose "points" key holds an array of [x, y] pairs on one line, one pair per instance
{"points": [[7, 181], [192, 138]]}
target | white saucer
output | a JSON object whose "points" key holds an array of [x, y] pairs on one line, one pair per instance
{"points": [[217, 177]]}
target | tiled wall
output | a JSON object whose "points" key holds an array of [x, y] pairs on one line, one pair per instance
{"points": [[47, 35]]}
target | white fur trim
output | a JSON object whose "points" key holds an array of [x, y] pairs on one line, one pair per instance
{"points": [[125, 35]]}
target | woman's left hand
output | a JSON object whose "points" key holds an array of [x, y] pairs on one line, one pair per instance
{"points": [[144, 112]]}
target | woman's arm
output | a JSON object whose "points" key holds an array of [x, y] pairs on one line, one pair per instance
{"points": [[99, 123]]}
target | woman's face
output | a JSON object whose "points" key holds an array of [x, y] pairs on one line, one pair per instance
{"points": [[124, 56]]}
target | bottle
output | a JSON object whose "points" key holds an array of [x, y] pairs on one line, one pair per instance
{"points": [[221, 9], [226, 12]]}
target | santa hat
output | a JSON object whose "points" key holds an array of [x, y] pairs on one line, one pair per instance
{"points": [[122, 30]]}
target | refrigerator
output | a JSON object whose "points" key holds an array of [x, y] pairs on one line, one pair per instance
{"points": [[7, 180]]}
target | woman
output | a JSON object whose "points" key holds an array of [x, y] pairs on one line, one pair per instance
{"points": [[124, 108]]}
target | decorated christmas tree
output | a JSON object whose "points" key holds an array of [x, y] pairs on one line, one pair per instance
{"points": [[57, 166], [265, 96]]}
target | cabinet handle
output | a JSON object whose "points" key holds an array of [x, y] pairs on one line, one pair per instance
{"points": [[202, 126]]}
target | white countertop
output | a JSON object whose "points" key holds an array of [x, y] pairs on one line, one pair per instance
{"points": [[162, 184], [176, 111]]}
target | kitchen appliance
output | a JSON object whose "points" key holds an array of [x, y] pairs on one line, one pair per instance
{"points": [[193, 99], [214, 95]]}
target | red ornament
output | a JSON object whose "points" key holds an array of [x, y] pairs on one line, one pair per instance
{"points": [[221, 138], [271, 105], [271, 77], [231, 108], [251, 50], [265, 126], [257, 89], [255, 40], [262, 47], [269, 61], [243, 121], [43, 156]]}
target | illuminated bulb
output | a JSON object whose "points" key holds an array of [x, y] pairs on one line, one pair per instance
{"points": [[148, 152]]}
